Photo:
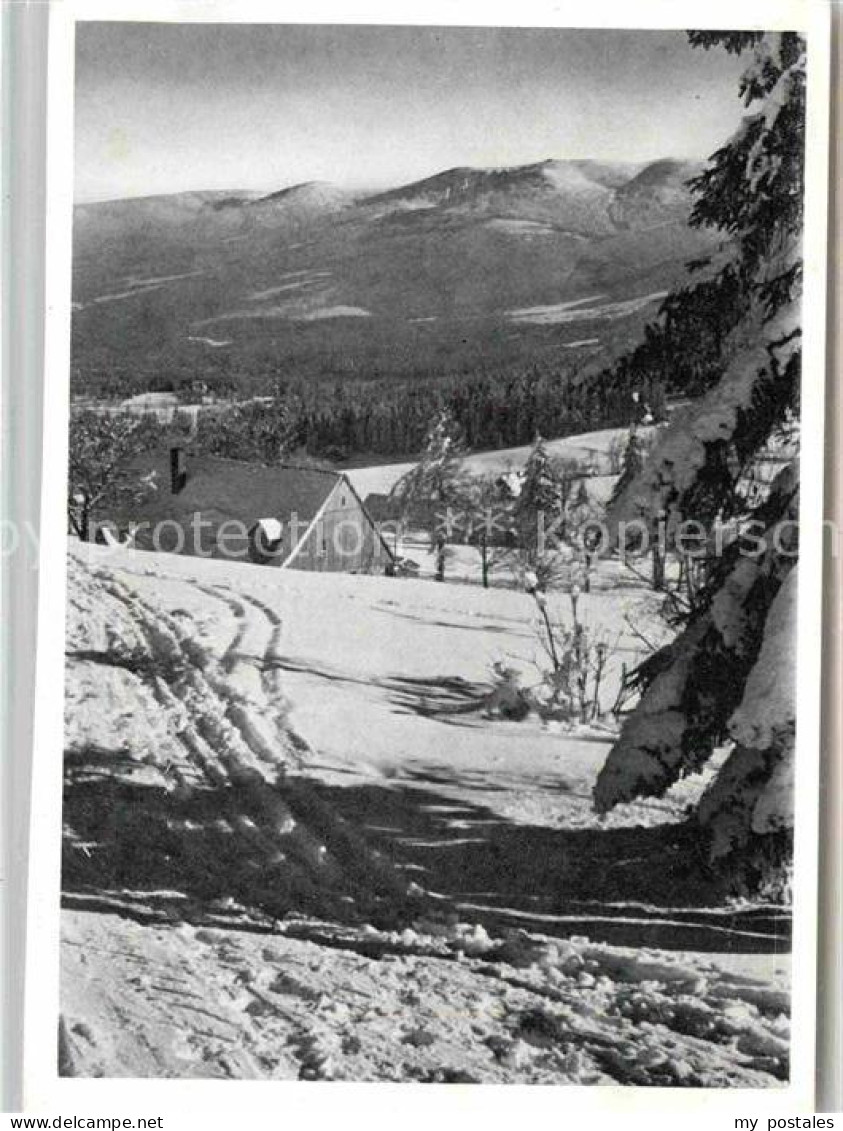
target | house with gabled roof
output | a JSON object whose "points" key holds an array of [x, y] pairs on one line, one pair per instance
{"points": [[291, 516]]}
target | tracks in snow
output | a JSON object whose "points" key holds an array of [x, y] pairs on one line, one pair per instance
{"points": [[205, 1002], [229, 824]]}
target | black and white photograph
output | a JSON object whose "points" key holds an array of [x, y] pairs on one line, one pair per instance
{"points": [[432, 534]]}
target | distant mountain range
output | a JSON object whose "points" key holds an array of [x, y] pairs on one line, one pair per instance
{"points": [[468, 268]]}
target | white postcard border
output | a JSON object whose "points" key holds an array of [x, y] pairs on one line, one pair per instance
{"points": [[218, 1103]]}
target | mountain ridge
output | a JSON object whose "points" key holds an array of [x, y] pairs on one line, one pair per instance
{"points": [[613, 172], [423, 278]]}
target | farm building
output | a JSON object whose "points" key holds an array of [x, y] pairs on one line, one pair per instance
{"points": [[289, 516]]}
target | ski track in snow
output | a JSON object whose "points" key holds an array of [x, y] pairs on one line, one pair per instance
{"points": [[224, 917], [369, 1005]]}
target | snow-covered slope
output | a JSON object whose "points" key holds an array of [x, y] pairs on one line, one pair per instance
{"points": [[296, 847], [586, 447]]}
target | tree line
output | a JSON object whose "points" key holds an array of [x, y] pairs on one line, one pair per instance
{"points": [[392, 421]]}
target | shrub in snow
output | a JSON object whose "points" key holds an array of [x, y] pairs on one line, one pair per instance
{"points": [[571, 680], [570, 689]]}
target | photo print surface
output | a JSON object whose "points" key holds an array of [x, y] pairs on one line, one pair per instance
{"points": [[433, 537]]}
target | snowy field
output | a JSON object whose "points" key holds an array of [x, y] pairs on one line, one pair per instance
{"points": [[299, 845], [588, 448]]}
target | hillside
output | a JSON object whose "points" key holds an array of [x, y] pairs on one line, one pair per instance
{"points": [[296, 848], [465, 270]]}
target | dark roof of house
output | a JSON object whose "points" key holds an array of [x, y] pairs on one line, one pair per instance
{"points": [[381, 507], [226, 488]]}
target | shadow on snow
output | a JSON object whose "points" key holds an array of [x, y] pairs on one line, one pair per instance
{"points": [[348, 853]]}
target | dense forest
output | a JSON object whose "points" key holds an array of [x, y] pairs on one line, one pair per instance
{"points": [[392, 420], [387, 418]]}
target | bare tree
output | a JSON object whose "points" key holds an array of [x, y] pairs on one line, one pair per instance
{"points": [[488, 524], [100, 475]]}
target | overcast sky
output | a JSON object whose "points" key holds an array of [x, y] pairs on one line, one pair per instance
{"points": [[162, 108]]}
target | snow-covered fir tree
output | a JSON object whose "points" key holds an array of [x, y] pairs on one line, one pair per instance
{"points": [[728, 677], [538, 511], [433, 492], [632, 462]]}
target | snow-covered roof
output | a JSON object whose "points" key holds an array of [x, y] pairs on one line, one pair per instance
{"points": [[233, 489]]}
